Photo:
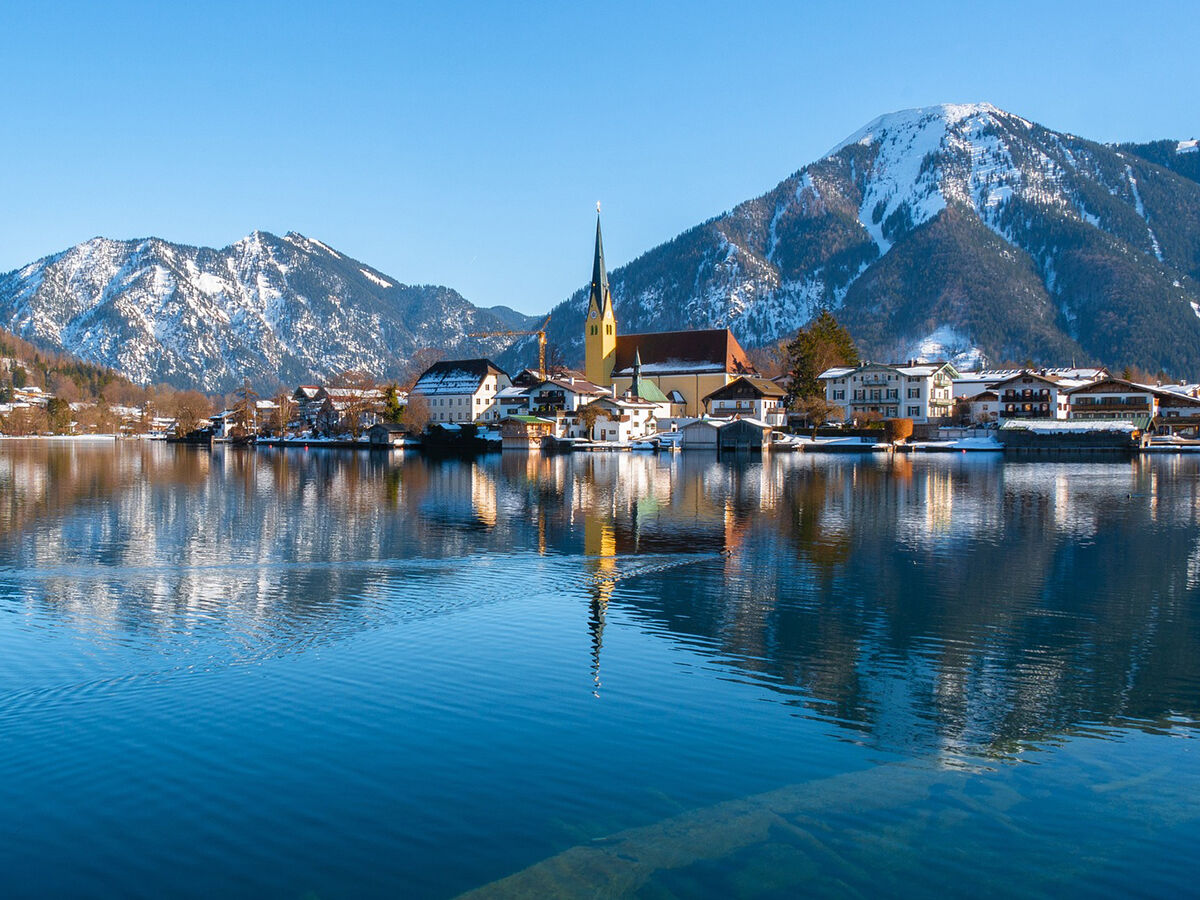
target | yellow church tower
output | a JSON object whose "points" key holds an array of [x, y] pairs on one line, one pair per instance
{"points": [[600, 327]]}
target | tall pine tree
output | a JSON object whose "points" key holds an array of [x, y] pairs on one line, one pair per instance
{"points": [[823, 344]]}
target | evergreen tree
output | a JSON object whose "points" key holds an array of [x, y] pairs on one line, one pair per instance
{"points": [[59, 411], [392, 410], [824, 343]]}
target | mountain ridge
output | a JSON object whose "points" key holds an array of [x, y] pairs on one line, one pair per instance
{"points": [[1097, 251], [959, 231], [266, 308]]}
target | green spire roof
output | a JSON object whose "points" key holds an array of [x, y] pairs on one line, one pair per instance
{"points": [[648, 391], [601, 295]]}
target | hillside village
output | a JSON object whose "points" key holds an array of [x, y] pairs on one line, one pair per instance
{"points": [[660, 390]]}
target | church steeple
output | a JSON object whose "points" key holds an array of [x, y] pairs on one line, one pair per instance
{"points": [[601, 296], [600, 326]]}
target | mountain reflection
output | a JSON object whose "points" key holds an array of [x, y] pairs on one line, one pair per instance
{"points": [[949, 603]]}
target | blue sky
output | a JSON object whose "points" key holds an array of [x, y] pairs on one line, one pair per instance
{"points": [[466, 144]]}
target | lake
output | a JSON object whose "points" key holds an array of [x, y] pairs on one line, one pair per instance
{"points": [[325, 674]]}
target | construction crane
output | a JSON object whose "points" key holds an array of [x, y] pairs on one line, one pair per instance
{"points": [[541, 336]]}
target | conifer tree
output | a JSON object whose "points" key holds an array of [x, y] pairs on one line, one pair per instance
{"points": [[824, 343]]}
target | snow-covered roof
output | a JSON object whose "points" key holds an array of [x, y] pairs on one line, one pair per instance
{"points": [[624, 403], [1068, 426], [573, 385], [674, 367], [1088, 373], [513, 393], [914, 371], [455, 376], [757, 423]]}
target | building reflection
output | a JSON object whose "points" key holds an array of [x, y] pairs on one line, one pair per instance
{"points": [[941, 601]]}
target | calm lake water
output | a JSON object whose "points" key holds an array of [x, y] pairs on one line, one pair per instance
{"points": [[323, 674]]}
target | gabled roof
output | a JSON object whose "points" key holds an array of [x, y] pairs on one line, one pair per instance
{"points": [[455, 376], [1112, 385], [345, 394], [513, 393], [1081, 373], [916, 370], [682, 352], [744, 385], [1052, 380], [622, 403], [572, 385]]}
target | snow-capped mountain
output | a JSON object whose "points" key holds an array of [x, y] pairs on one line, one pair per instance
{"points": [[267, 308], [953, 231]]}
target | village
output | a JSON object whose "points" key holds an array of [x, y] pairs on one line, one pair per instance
{"points": [[668, 391]]}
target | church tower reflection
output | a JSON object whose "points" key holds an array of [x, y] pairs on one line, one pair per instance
{"points": [[600, 550]]}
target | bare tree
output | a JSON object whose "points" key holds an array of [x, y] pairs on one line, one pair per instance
{"points": [[191, 412], [25, 421], [358, 395], [587, 417], [285, 408], [818, 411], [417, 364], [245, 410], [416, 413]]}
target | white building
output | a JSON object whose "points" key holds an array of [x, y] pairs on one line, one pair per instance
{"points": [[461, 390], [985, 407], [622, 419], [565, 394], [1033, 395], [918, 392], [751, 397]]}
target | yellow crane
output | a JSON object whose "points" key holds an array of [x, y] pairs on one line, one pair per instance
{"points": [[541, 336]]}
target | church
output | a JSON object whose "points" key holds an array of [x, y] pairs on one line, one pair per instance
{"points": [[685, 365]]}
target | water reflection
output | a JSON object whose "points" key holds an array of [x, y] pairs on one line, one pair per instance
{"points": [[955, 606]]}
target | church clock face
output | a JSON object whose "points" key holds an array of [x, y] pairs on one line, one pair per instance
{"points": [[593, 314]]}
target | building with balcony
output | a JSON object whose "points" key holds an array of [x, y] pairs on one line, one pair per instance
{"points": [[1112, 398], [921, 392], [756, 398], [1034, 395]]}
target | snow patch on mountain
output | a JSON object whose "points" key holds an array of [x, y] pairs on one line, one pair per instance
{"points": [[371, 276], [950, 345], [1141, 211]]}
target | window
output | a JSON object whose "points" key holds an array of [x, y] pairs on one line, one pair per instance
{"points": [[914, 393], [914, 411]]}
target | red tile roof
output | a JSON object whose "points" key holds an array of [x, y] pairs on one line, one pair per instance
{"points": [[713, 349]]}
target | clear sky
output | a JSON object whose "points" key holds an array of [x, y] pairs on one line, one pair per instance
{"points": [[466, 144]]}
